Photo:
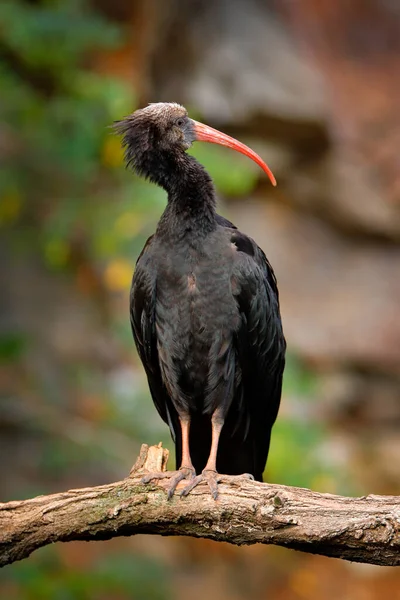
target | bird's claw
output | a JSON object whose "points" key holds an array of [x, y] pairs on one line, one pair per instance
{"points": [[183, 473], [212, 478], [174, 476]]}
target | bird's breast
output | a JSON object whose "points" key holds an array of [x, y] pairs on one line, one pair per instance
{"points": [[196, 316], [194, 299]]}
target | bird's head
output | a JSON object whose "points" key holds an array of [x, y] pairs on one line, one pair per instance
{"points": [[166, 127]]}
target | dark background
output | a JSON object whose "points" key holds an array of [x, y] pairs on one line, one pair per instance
{"points": [[314, 88]]}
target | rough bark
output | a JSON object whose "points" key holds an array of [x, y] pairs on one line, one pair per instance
{"points": [[358, 529]]}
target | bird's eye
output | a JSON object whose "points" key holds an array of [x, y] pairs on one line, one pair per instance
{"points": [[180, 122]]}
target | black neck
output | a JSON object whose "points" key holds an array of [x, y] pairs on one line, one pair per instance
{"points": [[191, 194]]}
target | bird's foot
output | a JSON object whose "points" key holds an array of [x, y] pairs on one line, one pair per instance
{"points": [[212, 478], [175, 478]]}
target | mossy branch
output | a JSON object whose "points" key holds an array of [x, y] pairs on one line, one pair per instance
{"points": [[364, 529]]}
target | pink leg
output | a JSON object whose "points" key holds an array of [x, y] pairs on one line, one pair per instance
{"points": [[186, 462], [209, 473], [186, 470]]}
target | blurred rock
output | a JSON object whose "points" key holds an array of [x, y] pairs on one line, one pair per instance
{"points": [[356, 47], [242, 62], [361, 398]]}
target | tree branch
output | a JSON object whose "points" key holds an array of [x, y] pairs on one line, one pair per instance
{"points": [[359, 529]]}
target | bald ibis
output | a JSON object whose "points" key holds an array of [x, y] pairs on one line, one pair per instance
{"points": [[204, 309]]}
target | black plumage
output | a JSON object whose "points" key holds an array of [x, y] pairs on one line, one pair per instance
{"points": [[204, 310]]}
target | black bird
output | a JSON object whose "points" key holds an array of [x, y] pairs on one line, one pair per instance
{"points": [[204, 309]]}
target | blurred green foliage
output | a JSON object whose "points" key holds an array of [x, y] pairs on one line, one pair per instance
{"points": [[56, 110], [49, 577], [12, 345]]}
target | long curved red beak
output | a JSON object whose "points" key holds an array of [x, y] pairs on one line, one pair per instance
{"points": [[204, 133]]}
